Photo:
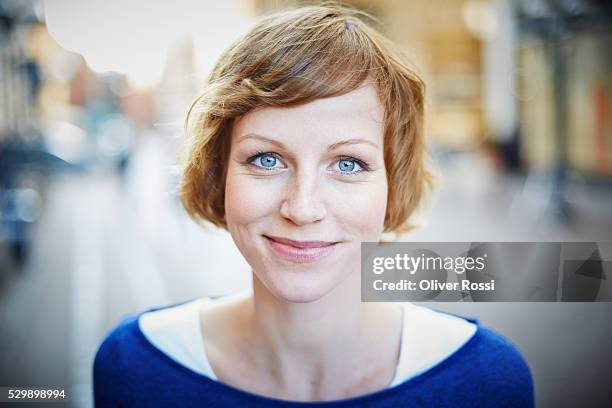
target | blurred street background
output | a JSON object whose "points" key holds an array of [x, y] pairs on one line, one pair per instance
{"points": [[93, 95]]}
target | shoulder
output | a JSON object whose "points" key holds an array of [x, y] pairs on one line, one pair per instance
{"points": [[483, 365], [126, 340], [493, 348], [481, 343], [127, 344], [124, 360], [112, 362], [116, 345], [495, 368], [122, 351]]}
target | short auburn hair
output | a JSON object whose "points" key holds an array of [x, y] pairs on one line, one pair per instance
{"points": [[294, 57]]}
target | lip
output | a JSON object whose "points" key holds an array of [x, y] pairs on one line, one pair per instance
{"points": [[299, 251]]}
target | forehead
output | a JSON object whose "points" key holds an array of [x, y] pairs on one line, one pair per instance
{"points": [[358, 113]]}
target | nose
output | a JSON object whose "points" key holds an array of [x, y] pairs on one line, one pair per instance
{"points": [[302, 204]]}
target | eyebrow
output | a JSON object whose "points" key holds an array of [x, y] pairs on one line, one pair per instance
{"points": [[333, 146]]}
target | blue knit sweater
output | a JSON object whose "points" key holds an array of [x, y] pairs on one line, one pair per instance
{"points": [[487, 371]]}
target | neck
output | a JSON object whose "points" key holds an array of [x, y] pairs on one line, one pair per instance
{"points": [[314, 328], [307, 346]]}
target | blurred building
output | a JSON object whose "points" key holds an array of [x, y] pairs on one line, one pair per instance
{"points": [[564, 60]]}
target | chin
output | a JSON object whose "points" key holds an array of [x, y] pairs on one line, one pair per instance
{"points": [[298, 288], [301, 296]]}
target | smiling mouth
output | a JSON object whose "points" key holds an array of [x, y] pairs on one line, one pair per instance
{"points": [[300, 251]]}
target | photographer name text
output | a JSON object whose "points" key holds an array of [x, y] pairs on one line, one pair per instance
{"points": [[433, 285]]}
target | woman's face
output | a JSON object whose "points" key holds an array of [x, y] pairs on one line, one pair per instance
{"points": [[305, 186]]}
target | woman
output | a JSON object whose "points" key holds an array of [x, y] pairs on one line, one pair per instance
{"points": [[306, 142]]}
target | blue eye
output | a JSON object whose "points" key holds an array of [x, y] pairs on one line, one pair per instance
{"points": [[265, 160], [349, 166]]}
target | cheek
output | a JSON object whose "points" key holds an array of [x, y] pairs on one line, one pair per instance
{"points": [[247, 199], [361, 208]]}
